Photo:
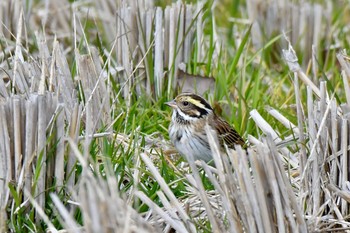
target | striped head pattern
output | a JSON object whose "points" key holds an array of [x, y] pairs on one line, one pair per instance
{"points": [[189, 107]]}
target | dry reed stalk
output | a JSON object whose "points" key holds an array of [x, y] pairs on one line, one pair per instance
{"points": [[158, 51], [74, 126], [41, 150], [18, 57], [179, 32], [345, 75], [64, 83], [59, 159], [102, 207], [35, 117], [326, 166], [290, 57], [345, 164], [172, 43], [169, 35], [256, 199], [199, 31], [335, 141], [106, 11], [170, 195], [69, 224], [170, 220], [89, 132], [125, 23], [260, 184], [250, 200], [30, 139], [144, 23], [268, 130], [29, 120], [305, 22], [251, 196], [283, 194], [301, 140], [40, 211], [215, 224], [283, 120], [94, 88], [188, 32], [5, 166], [17, 127]]}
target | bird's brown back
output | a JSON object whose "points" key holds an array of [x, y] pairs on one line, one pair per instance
{"points": [[228, 134]]}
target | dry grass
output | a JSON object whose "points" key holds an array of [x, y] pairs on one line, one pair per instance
{"points": [[49, 122]]}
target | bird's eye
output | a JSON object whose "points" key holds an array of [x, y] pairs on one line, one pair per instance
{"points": [[185, 103]]}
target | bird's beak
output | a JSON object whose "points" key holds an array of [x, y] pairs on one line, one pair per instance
{"points": [[171, 104]]}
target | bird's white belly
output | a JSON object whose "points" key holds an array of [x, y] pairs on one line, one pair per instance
{"points": [[191, 145]]}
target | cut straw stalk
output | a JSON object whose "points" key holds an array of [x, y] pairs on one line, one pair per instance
{"points": [[292, 208], [317, 160], [74, 126], [17, 136], [59, 159], [224, 192], [223, 180], [268, 130], [252, 218], [172, 48], [5, 162], [273, 183], [345, 164], [249, 180], [31, 125], [262, 190], [173, 200], [292, 61], [41, 161], [316, 141], [335, 140], [301, 140], [17, 77], [68, 222], [165, 216], [345, 75], [40, 211], [158, 51], [287, 123]]}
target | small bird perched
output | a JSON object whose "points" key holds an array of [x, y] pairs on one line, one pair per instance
{"points": [[187, 128]]}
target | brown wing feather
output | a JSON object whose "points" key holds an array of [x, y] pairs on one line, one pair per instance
{"points": [[227, 134]]}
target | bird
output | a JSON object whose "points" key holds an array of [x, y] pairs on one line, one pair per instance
{"points": [[187, 131]]}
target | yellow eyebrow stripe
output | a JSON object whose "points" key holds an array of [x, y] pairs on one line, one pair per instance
{"points": [[197, 103]]}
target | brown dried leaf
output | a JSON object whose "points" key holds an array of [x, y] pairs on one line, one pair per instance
{"points": [[194, 83]]}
